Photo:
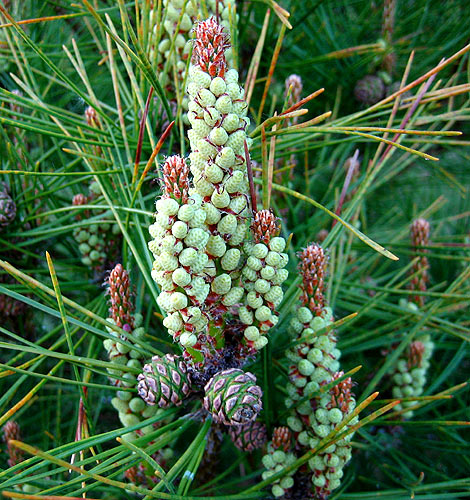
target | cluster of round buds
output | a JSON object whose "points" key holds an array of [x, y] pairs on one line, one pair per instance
{"points": [[409, 374], [262, 276], [248, 437], [7, 207], [420, 238], [97, 242], [164, 381], [333, 408], [313, 361], [180, 245], [278, 458], [232, 397], [122, 354], [170, 47], [369, 89]]}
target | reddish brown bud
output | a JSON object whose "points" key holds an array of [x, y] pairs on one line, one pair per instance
{"points": [[79, 199], [11, 431], [120, 296], [175, 178], [415, 354], [281, 438], [312, 267], [341, 393], [92, 118], [419, 238], [209, 47], [265, 226]]}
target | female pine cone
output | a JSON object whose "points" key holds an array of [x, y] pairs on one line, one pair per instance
{"points": [[164, 381], [233, 397]]}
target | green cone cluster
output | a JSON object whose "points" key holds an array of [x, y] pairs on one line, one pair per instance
{"points": [[279, 457], [96, 241], [204, 251], [131, 408], [314, 363], [170, 46], [409, 373], [262, 276]]}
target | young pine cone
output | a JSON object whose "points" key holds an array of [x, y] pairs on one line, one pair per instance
{"points": [[164, 381], [369, 90], [248, 437], [233, 397]]}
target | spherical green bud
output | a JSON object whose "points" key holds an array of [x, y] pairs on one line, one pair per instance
{"points": [[275, 295], [267, 272], [254, 300], [187, 339], [311, 388], [230, 259], [260, 251], [305, 367], [188, 256], [179, 229], [200, 263], [251, 333], [236, 141], [224, 104], [227, 225], [198, 218], [263, 313], [168, 262], [225, 158], [216, 246], [213, 173], [124, 396], [322, 430], [120, 405], [186, 212], [84, 248], [245, 315], [136, 405], [277, 244], [335, 415], [233, 90], [201, 128], [304, 315], [249, 273], [268, 461], [204, 188], [315, 355], [295, 423], [178, 300], [181, 277], [167, 206], [262, 286], [211, 116], [207, 98], [204, 147], [279, 456], [277, 491], [240, 108], [213, 214], [221, 284], [218, 86], [287, 482], [197, 238], [233, 296], [220, 199], [273, 259], [231, 122]]}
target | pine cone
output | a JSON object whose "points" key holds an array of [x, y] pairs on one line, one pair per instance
{"points": [[7, 209], [233, 397], [164, 381], [369, 89], [248, 437]]}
